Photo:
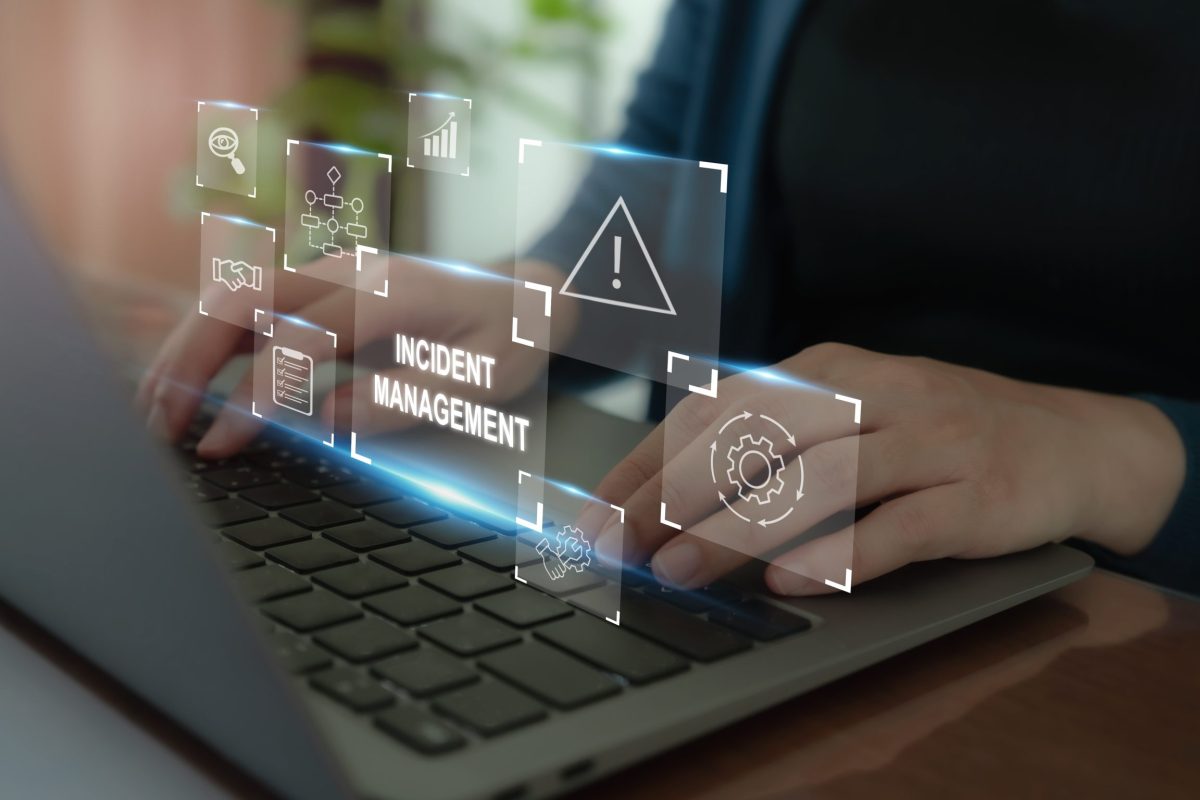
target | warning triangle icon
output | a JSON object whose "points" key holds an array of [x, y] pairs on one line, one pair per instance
{"points": [[615, 272]]}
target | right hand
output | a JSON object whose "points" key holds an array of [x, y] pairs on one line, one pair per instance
{"points": [[473, 314]]}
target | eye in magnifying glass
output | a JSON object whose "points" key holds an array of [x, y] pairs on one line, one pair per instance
{"points": [[223, 143]]}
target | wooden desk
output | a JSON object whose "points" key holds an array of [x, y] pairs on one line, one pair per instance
{"points": [[1092, 691]]}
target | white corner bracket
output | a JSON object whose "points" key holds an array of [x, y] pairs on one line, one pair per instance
{"points": [[662, 517], [854, 401], [723, 169], [357, 456], [707, 391], [521, 148], [843, 587], [535, 524], [537, 287], [615, 620]]}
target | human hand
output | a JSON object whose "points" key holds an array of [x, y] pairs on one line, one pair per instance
{"points": [[473, 315], [963, 463]]}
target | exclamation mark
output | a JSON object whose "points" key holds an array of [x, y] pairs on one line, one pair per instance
{"points": [[616, 262]]}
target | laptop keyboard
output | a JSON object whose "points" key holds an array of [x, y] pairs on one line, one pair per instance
{"points": [[407, 613]]}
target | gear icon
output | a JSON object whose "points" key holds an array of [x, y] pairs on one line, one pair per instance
{"points": [[573, 548], [747, 461]]}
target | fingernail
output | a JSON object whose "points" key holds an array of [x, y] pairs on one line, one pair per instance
{"points": [[677, 564], [156, 422]]}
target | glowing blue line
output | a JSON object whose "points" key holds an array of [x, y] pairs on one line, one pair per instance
{"points": [[299, 321], [575, 490], [239, 221], [342, 148], [771, 375], [228, 104], [439, 95], [459, 267], [617, 150]]}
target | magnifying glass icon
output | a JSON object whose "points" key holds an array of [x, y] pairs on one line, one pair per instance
{"points": [[223, 143]]}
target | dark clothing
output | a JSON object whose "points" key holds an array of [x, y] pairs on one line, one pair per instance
{"points": [[1006, 184]]}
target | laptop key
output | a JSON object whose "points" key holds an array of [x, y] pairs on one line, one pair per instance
{"points": [[419, 730], [278, 495], [467, 581], [206, 492], [412, 605], [452, 533], [761, 620], [415, 557], [524, 608], [501, 554], [362, 493], [353, 689], [690, 636], [311, 611], [297, 654], [264, 533], [551, 675], [237, 557], [470, 634], [404, 512], [359, 580], [425, 672], [318, 516], [691, 602], [611, 648], [269, 582], [239, 478], [573, 581], [230, 511], [490, 708], [365, 640], [318, 476], [367, 535], [311, 555]]}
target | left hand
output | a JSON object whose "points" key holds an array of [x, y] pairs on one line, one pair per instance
{"points": [[963, 464]]}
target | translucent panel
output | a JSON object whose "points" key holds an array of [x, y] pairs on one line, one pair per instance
{"points": [[766, 463], [436, 401], [293, 367], [237, 271], [227, 147], [439, 133], [338, 205], [639, 253]]}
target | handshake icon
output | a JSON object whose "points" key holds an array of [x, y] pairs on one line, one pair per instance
{"points": [[237, 274]]}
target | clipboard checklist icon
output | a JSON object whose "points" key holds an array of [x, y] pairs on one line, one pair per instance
{"points": [[292, 380]]}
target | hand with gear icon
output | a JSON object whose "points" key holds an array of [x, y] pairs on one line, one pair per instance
{"points": [[755, 469], [570, 551]]}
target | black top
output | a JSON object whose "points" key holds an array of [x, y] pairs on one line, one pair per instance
{"points": [[1006, 184]]}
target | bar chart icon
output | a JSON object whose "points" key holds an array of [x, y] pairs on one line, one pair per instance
{"points": [[442, 142], [439, 133]]}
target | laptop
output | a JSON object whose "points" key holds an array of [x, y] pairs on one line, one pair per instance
{"points": [[335, 634]]}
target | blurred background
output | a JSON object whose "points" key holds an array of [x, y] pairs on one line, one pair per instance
{"points": [[98, 128]]}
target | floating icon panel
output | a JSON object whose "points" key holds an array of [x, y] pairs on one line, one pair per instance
{"points": [[640, 254], [294, 369], [430, 404], [439, 133], [237, 273], [338, 202], [744, 480], [227, 147]]}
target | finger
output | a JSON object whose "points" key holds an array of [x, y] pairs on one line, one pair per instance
{"points": [[235, 427], [839, 475], [916, 527], [198, 351]]}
